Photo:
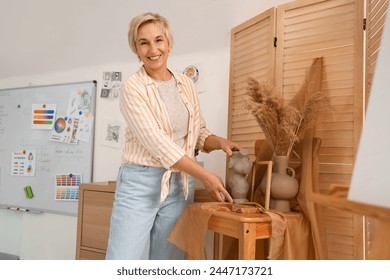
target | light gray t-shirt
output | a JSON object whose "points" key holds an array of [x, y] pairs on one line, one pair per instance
{"points": [[177, 111]]}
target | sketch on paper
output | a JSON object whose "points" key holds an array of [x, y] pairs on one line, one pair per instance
{"points": [[80, 101], [112, 133], [111, 84], [84, 130]]}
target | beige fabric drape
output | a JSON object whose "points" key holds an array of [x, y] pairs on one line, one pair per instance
{"points": [[189, 232], [297, 243], [288, 230]]}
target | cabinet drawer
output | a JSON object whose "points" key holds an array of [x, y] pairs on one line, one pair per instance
{"points": [[89, 255], [97, 207]]}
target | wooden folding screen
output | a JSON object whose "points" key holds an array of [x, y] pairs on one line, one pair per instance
{"points": [[333, 30], [376, 13], [252, 55], [278, 46]]}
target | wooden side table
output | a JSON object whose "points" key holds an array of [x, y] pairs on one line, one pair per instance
{"points": [[246, 227]]}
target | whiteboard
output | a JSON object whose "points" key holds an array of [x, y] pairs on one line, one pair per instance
{"points": [[46, 137]]}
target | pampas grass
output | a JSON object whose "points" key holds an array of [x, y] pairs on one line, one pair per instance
{"points": [[285, 124]]}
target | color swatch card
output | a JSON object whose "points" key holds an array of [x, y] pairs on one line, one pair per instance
{"points": [[43, 116], [23, 163], [67, 187]]}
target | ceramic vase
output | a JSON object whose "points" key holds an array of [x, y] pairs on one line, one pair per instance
{"points": [[284, 185]]}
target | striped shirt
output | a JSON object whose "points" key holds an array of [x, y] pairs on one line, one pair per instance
{"points": [[149, 134]]}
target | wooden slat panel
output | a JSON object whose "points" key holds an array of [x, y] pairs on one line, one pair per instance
{"points": [[337, 159], [328, 29], [337, 17], [331, 178], [244, 120], [252, 55], [346, 125], [312, 7], [376, 14], [339, 52], [241, 130]]}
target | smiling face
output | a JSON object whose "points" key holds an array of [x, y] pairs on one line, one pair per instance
{"points": [[153, 50]]}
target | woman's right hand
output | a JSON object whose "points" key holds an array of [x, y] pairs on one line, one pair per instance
{"points": [[214, 185]]}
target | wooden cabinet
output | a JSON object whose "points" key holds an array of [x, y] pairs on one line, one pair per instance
{"points": [[93, 225], [94, 214]]}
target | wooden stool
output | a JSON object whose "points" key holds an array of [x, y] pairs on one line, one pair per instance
{"points": [[246, 227]]}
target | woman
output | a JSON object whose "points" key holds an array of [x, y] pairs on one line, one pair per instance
{"points": [[164, 127]]}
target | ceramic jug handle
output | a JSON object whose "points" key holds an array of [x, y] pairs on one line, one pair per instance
{"points": [[292, 171]]}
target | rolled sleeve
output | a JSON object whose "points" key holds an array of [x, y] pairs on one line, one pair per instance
{"points": [[204, 133]]}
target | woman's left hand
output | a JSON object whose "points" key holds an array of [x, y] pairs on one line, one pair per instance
{"points": [[228, 146], [214, 142]]}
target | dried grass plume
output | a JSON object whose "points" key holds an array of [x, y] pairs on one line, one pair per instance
{"points": [[283, 123]]}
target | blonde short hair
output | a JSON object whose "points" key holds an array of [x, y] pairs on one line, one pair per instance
{"points": [[142, 19]]}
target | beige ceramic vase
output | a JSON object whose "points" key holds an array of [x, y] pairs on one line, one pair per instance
{"points": [[284, 185]]}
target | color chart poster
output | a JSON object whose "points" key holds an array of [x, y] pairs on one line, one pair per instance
{"points": [[65, 130], [43, 116], [67, 186], [23, 163]]}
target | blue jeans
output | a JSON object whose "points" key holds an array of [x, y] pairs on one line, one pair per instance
{"points": [[138, 215]]}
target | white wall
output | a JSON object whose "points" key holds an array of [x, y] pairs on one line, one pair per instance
{"points": [[53, 41]]}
